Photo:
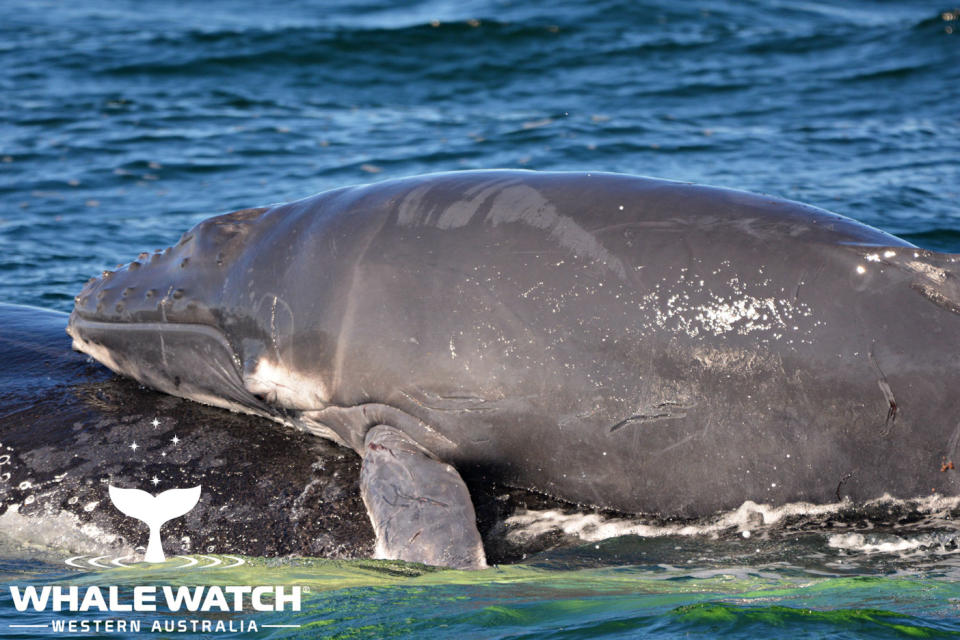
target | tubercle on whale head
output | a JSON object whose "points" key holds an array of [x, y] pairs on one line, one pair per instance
{"points": [[176, 284], [144, 291], [157, 319]]}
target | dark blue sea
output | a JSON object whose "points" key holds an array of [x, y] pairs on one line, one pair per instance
{"points": [[124, 123]]}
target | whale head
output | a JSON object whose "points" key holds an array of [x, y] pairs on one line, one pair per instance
{"points": [[159, 319]]}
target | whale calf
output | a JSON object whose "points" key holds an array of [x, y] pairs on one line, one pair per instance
{"points": [[630, 343]]}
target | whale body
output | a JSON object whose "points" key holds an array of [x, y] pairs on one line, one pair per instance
{"points": [[623, 342]]}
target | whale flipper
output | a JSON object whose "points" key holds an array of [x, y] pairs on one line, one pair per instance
{"points": [[419, 506]]}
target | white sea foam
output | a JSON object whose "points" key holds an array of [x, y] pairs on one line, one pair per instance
{"points": [[592, 527], [59, 532], [894, 544], [746, 519]]}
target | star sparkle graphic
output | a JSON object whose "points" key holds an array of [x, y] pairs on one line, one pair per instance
{"points": [[134, 446]]}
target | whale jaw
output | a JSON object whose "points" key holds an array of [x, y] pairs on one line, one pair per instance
{"points": [[192, 361]]}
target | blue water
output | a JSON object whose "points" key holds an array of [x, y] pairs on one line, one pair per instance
{"points": [[123, 123]]}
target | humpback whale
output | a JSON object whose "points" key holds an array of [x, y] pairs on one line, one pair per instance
{"points": [[622, 342]]}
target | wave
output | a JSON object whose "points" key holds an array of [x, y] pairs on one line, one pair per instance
{"points": [[195, 53]]}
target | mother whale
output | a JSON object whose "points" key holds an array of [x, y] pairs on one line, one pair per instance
{"points": [[637, 344]]}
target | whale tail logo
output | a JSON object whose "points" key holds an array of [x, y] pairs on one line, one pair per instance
{"points": [[154, 511]]}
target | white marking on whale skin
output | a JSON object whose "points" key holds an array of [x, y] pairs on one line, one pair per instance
{"points": [[521, 203], [273, 320], [266, 309], [163, 314], [511, 202], [460, 213], [412, 211], [285, 387], [936, 274]]}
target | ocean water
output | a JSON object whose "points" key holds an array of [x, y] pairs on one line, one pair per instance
{"points": [[123, 123]]}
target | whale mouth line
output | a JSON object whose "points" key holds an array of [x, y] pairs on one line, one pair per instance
{"points": [[118, 325], [78, 325]]}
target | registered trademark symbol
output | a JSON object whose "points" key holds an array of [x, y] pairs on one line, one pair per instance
{"points": [[306, 589]]}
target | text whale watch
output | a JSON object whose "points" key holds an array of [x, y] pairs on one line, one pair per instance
{"points": [[624, 342]]}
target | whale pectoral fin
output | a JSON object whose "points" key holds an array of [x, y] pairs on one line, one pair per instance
{"points": [[420, 507]]}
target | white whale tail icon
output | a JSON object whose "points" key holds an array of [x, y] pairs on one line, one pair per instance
{"points": [[154, 511]]}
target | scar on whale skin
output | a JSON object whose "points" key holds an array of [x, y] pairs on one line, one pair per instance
{"points": [[662, 411], [888, 395]]}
